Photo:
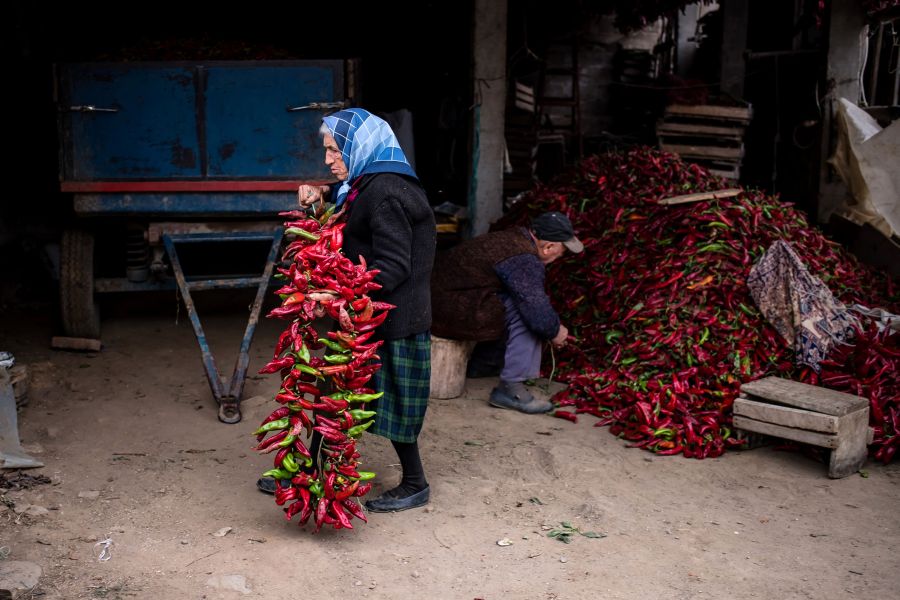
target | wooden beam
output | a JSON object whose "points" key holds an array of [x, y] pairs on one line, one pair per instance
{"points": [[714, 195], [70, 343], [737, 113], [698, 151]]}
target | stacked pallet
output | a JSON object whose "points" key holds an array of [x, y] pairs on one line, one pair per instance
{"points": [[709, 135], [521, 141]]}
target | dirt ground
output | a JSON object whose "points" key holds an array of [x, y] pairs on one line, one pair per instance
{"points": [[135, 455]]}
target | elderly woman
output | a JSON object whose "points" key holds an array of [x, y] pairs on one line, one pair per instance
{"points": [[389, 223]]}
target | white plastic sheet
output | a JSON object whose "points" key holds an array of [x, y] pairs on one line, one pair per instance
{"points": [[867, 158]]}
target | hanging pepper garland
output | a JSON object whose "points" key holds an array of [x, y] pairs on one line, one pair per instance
{"points": [[322, 394], [665, 325]]}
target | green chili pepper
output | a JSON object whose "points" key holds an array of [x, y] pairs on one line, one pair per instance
{"points": [[276, 424], [287, 441], [331, 344], [713, 247], [302, 233], [361, 415], [704, 336], [289, 464], [303, 353], [278, 474], [664, 433], [366, 475], [316, 488], [358, 429], [629, 360], [362, 397], [337, 359], [612, 335], [747, 310], [308, 370]]}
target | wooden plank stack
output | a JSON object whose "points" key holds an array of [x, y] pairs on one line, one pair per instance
{"points": [[808, 414], [709, 135], [521, 140]]}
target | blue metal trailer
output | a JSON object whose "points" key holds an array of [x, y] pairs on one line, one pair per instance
{"points": [[168, 154]]}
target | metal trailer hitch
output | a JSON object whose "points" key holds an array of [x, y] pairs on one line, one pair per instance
{"points": [[228, 399]]}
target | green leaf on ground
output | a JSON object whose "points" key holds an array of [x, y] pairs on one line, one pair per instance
{"points": [[566, 531]]}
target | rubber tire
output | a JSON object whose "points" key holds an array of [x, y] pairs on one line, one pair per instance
{"points": [[79, 311]]}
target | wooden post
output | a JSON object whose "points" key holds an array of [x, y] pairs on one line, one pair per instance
{"points": [[850, 454], [448, 366]]}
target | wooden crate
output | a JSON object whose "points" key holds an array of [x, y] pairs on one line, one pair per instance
{"points": [[709, 135], [711, 112], [810, 415]]}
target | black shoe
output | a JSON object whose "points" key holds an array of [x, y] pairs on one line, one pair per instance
{"points": [[266, 484], [390, 503]]}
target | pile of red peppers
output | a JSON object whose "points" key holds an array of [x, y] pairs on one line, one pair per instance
{"points": [[666, 329], [325, 392]]}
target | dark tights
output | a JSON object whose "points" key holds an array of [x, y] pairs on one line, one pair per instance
{"points": [[413, 479]]}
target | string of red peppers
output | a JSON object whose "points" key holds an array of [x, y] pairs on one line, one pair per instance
{"points": [[665, 325], [324, 394]]}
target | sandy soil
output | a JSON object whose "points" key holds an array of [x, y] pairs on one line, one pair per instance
{"points": [[136, 456]]}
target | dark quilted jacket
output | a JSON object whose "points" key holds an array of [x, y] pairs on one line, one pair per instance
{"points": [[391, 224]]}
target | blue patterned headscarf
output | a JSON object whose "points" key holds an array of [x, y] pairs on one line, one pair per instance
{"points": [[367, 145]]}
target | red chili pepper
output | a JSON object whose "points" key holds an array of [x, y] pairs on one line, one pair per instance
{"points": [[563, 414], [272, 441], [278, 364], [338, 511], [354, 509]]}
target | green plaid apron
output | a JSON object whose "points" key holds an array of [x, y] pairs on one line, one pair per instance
{"points": [[405, 379]]}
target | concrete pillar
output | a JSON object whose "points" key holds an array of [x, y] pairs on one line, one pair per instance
{"points": [[488, 115], [847, 44], [735, 16]]}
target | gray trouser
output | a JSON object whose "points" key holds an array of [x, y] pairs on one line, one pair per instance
{"points": [[522, 360]]}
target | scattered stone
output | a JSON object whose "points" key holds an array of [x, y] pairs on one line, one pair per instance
{"points": [[223, 532], [17, 578], [32, 510], [236, 583]]}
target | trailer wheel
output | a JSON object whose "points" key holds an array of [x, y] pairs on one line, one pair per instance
{"points": [[80, 314]]}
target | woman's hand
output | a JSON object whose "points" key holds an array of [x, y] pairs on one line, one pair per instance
{"points": [[307, 195]]}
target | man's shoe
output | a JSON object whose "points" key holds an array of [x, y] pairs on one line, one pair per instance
{"points": [[389, 503], [501, 398]]}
